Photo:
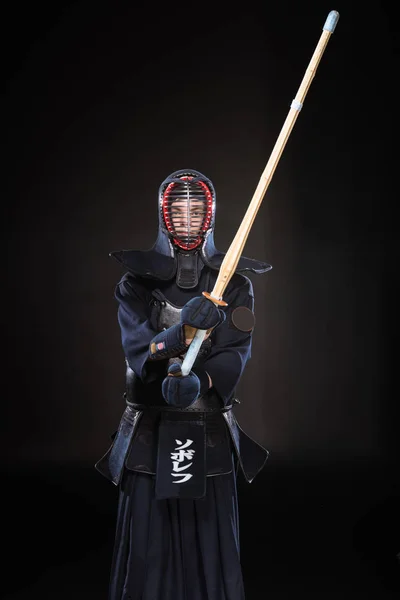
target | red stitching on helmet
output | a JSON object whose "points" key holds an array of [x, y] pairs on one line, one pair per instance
{"points": [[207, 220]]}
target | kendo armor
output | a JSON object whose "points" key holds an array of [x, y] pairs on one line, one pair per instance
{"points": [[183, 247]]}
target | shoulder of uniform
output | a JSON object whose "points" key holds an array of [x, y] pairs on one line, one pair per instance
{"points": [[130, 282], [240, 284]]}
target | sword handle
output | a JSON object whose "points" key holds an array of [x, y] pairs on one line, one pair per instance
{"points": [[198, 339], [193, 351]]}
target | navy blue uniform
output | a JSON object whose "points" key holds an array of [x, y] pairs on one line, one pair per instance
{"points": [[171, 544]]}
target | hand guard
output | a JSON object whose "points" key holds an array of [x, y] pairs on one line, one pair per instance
{"points": [[201, 313], [168, 344], [178, 390]]}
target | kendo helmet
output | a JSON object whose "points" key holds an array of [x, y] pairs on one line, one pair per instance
{"points": [[187, 207]]}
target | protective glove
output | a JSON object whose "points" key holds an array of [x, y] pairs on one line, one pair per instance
{"points": [[180, 390], [168, 343], [200, 313]]}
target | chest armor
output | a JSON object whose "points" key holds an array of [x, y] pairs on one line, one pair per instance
{"points": [[136, 445]]}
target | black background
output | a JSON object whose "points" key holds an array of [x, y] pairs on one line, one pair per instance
{"points": [[102, 102]]}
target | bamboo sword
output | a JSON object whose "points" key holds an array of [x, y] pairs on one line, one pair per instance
{"points": [[235, 250]]}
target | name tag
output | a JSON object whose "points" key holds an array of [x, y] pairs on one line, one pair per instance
{"points": [[181, 458]]}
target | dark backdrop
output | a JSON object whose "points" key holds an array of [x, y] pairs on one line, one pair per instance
{"points": [[102, 102]]}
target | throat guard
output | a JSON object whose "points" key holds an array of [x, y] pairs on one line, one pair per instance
{"points": [[189, 265]]}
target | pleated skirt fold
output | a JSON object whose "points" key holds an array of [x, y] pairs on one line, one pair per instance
{"points": [[176, 549]]}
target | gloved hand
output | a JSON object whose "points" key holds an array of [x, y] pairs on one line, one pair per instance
{"points": [[168, 343], [201, 313], [180, 390]]}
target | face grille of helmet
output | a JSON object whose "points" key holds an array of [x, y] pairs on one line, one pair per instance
{"points": [[187, 207]]}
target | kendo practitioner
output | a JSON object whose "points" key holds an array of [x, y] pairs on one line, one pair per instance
{"points": [[178, 448]]}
